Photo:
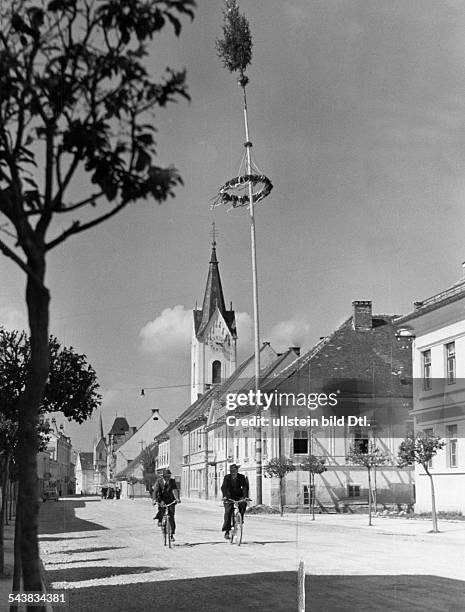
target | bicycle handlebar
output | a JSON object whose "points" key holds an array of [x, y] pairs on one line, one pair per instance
{"points": [[168, 505], [236, 501]]}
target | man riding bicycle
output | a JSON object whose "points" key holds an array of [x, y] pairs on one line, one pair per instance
{"points": [[235, 486], [165, 493]]}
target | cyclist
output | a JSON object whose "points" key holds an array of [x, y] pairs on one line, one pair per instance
{"points": [[235, 486], [166, 492]]}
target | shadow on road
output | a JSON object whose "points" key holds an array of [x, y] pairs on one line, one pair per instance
{"points": [[60, 539], [78, 561], [61, 517], [274, 592], [76, 574], [222, 542], [86, 550]]}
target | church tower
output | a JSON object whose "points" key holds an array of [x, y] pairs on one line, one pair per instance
{"points": [[213, 356]]}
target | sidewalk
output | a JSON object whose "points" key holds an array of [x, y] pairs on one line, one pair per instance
{"points": [[6, 581], [391, 525]]}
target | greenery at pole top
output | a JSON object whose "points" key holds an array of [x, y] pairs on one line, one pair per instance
{"points": [[235, 49]]}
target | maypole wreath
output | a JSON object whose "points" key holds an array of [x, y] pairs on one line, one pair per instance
{"points": [[235, 51], [261, 187]]}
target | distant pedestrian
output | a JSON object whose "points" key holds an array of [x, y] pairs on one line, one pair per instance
{"points": [[104, 492], [118, 492]]}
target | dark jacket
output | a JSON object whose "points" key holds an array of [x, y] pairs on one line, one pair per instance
{"points": [[237, 489], [164, 490]]}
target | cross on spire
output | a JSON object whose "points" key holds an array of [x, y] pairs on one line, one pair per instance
{"points": [[214, 233]]}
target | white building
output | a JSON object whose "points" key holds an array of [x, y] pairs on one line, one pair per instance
{"points": [[438, 327], [213, 355]]}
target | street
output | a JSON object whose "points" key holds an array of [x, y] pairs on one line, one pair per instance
{"points": [[108, 555]]}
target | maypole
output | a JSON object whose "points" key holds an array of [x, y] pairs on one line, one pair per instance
{"points": [[235, 50]]}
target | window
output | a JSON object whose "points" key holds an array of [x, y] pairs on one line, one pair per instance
{"points": [[216, 371], [426, 356], [246, 447], [353, 490], [451, 433], [309, 493], [450, 363], [360, 440], [300, 446]]}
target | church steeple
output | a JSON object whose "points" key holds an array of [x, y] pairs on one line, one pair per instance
{"points": [[213, 296], [214, 335]]}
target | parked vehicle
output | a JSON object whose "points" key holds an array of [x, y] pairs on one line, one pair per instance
{"points": [[50, 493]]}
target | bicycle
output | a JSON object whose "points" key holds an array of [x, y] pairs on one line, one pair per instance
{"points": [[237, 522], [166, 525]]}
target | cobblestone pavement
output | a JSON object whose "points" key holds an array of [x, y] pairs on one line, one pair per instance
{"points": [[108, 555]]}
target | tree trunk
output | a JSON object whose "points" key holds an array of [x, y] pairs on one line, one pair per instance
{"points": [[312, 492], [3, 514], [369, 496], [433, 505], [309, 492], [37, 298], [375, 492], [16, 587], [281, 505]]}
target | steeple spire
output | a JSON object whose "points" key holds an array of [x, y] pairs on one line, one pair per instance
{"points": [[101, 434], [213, 296]]}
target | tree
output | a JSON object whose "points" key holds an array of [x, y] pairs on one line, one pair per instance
{"points": [[421, 449], [71, 388], [370, 458], [76, 105], [148, 458], [313, 465], [278, 467]]}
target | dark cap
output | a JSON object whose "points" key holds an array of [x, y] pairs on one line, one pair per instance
{"points": [[167, 472], [234, 465]]}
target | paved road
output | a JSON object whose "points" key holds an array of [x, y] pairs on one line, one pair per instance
{"points": [[108, 555]]}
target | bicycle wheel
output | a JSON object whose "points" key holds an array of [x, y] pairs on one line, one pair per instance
{"points": [[238, 528], [232, 533], [164, 530], [168, 531]]}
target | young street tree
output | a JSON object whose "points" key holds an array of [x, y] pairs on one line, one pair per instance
{"points": [[313, 465], [369, 458], [421, 449], [71, 389], [76, 138], [278, 467]]}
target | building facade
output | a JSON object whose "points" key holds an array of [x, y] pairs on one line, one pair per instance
{"points": [[437, 326], [213, 352]]}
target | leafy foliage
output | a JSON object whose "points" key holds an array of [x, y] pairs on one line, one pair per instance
{"points": [[74, 85], [278, 467], [72, 387], [371, 458], [419, 449], [313, 464], [235, 49]]}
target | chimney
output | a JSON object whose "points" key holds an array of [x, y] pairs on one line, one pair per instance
{"points": [[155, 414], [417, 305], [296, 350], [463, 270], [362, 315]]}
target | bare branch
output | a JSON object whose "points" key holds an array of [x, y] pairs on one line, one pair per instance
{"points": [[5, 249], [76, 226]]}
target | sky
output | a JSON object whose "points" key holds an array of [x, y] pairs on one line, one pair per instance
{"points": [[357, 116]]}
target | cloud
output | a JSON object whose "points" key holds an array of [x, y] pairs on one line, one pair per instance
{"points": [[169, 332], [293, 332], [11, 318]]}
